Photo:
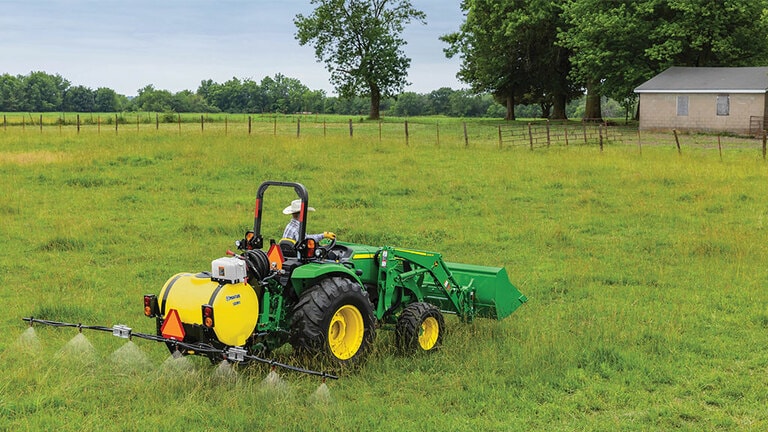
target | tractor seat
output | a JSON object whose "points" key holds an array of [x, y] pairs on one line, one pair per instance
{"points": [[288, 247]]}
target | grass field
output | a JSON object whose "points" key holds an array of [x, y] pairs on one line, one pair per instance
{"points": [[645, 273]]}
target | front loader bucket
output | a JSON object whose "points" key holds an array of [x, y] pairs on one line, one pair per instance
{"points": [[495, 296]]}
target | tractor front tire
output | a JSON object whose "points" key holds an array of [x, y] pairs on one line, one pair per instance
{"points": [[334, 319], [420, 328]]}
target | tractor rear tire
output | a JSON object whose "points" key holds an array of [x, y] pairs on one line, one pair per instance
{"points": [[334, 319], [420, 328]]}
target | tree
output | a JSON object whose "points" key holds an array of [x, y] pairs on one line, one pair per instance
{"points": [[11, 93], [508, 49], [106, 100], [43, 92], [410, 104], [439, 100], [79, 99], [490, 60], [708, 32], [464, 103], [229, 97], [151, 99], [536, 24], [313, 101], [360, 42], [284, 94]]}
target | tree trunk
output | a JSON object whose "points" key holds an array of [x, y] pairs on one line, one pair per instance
{"points": [[510, 108], [593, 110], [637, 111], [558, 109], [546, 109], [375, 104]]}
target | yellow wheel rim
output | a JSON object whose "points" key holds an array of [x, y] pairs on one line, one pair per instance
{"points": [[428, 333], [345, 332]]}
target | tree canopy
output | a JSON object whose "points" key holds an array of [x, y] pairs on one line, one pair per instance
{"points": [[542, 51], [360, 42], [508, 49]]}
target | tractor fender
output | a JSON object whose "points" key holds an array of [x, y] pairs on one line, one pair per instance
{"points": [[305, 276]]}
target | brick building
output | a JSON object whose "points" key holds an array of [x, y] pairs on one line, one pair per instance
{"points": [[709, 99]]}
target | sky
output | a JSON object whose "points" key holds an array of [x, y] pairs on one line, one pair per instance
{"points": [[175, 44]]}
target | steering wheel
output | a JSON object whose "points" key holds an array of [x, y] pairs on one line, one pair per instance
{"points": [[325, 246]]}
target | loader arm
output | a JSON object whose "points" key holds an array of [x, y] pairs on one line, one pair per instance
{"points": [[424, 276]]}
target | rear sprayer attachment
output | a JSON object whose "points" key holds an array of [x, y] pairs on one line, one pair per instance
{"points": [[231, 354]]}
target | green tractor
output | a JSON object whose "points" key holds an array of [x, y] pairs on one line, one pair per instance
{"points": [[325, 299]]}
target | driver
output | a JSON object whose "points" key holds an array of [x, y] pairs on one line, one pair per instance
{"points": [[292, 229]]}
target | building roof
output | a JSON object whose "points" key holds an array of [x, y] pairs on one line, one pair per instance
{"points": [[708, 80]]}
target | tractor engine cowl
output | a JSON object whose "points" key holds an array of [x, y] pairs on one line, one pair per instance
{"points": [[235, 305]]}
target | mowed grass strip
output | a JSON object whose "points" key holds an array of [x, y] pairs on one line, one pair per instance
{"points": [[644, 271]]}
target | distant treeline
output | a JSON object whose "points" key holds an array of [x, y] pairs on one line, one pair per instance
{"points": [[43, 92]]}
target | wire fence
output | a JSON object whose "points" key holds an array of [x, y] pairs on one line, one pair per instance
{"points": [[533, 135]]}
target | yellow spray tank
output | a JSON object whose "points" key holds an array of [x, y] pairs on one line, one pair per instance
{"points": [[233, 304]]}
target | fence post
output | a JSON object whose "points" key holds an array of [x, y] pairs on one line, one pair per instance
{"points": [[406, 132], [764, 139], [548, 138], [98, 125], [78, 123], [438, 133], [157, 121], [466, 136], [202, 124], [115, 124], [137, 122], [639, 145], [249, 125], [566, 135], [5, 122], [530, 135], [23, 123], [677, 141], [720, 147], [41, 123], [298, 127], [500, 143], [600, 135], [274, 127], [379, 130], [350, 128]]}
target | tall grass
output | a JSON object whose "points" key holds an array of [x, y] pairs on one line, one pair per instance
{"points": [[645, 273]]}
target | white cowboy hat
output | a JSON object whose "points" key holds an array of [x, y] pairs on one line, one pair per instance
{"points": [[295, 207]]}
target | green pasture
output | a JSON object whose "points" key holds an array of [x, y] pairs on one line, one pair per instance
{"points": [[436, 131], [645, 271]]}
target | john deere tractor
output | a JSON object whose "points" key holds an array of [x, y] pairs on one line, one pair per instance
{"points": [[325, 299]]}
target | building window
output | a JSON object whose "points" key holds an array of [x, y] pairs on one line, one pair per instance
{"points": [[682, 105], [723, 105]]}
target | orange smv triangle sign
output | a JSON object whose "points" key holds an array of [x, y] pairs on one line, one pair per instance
{"points": [[172, 328], [275, 256]]}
